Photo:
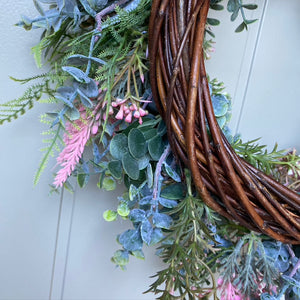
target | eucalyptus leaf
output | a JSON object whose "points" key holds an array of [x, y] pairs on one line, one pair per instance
{"points": [[81, 60], [137, 143], [73, 114], [250, 6], [77, 74], [161, 128], [119, 146], [86, 101], [133, 192], [213, 22], [137, 215], [38, 7], [143, 162], [146, 231], [149, 176], [115, 168], [110, 215], [123, 209], [172, 173], [167, 202], [149, 133], [130, 166], [220, 105], [88, 8], [173, 191], [232, 5], [234, 15], [121, 258], [241, 27], [89, 89], [157, 236], [131, 240], [138, 254], [82, 179], [65, 101], [155, 147], [147, 200], [221, 121], [109, 184], [162, 220], [216, 6]]}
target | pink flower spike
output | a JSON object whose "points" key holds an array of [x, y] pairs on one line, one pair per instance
{"points": [[128, 118], [75, 140]]}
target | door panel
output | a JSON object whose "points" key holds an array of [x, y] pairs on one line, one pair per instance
{"points": [[59, 245]]}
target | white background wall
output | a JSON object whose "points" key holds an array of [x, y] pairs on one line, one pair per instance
{"points": [[59, 247]]}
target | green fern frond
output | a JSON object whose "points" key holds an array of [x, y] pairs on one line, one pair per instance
{"points": [[54, 146], [108, 52], [14, 108], [37, 51], [26, 80]]}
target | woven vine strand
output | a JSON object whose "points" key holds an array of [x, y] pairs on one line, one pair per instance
{"points": [[226, 182]]}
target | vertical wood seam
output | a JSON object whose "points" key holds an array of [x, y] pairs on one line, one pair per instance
{"points": [[253, 57]]}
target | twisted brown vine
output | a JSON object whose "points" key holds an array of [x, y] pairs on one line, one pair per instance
{"points": [[226, 182]]}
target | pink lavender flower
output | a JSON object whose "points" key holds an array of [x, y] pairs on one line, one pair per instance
{"points": [[229, 291], [75, 138]]}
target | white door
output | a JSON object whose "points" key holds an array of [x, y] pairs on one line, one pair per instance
{"points": [[59, 247]]}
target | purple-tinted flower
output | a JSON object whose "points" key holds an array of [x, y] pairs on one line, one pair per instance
{"points": [[229, 291]]}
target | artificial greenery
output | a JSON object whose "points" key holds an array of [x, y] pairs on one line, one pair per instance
{"points": [[96, 52]]}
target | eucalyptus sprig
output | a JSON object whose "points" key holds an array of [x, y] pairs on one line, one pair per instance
{"points": [[237, 7], [190, 251]]}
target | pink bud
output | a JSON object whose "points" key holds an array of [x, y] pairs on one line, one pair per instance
{"points": [[94, 129], [114, 104], [97, 116], [136, 114], [140, 121], [126, 110], [110, 111], [120, 114], [143, 112], [142, 77], [128, 118], [120, 101], [133, 107]]}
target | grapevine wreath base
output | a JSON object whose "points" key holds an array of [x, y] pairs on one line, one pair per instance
{"points": [[181, 92], [206, 199]]}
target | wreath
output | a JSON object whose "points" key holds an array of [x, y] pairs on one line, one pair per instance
{"points": [[129, 82]]}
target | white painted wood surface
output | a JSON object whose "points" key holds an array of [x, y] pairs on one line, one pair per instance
{"points": [[60, 247]]}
